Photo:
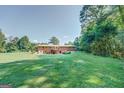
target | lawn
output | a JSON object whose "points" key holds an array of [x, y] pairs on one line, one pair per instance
{"points": [[78, 69]]}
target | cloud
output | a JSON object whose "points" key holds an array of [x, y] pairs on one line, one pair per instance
{"points": [[65, 37], [35, 41]]}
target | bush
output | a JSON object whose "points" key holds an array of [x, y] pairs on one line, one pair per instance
{"points": [[68, 52], [101, 48], [102, 44]]}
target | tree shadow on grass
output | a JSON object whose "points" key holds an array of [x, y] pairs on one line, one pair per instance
{"points": [[16, 73], [55, 73]]}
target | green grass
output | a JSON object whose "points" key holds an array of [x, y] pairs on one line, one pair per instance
{"points": [[72, 70], [10, 57]]}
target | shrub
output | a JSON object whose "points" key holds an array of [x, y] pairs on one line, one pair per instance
{"points": [[68, 52]]}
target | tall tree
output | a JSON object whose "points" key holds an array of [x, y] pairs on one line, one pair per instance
{"points": [[12, 45], [103, 36], [24, 44], [54, 40], [2, 42], [94, 14], [97, 27]]}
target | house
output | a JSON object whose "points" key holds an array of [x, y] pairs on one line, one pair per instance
{"points": [[54, 49]]}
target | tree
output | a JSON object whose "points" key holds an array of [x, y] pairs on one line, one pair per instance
{"points": [[12, 45], [94, 14], [121, 11], [98, 40], [98, 29], [69, 43], [33, 47], [54, 40], [24, 44], [77, 43], [2, 42], [86, 40]]}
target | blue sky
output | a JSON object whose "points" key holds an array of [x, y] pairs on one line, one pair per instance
{"points": [[40, 23]]}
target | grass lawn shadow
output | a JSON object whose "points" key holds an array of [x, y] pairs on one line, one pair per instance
{"points": [[69, 71]]}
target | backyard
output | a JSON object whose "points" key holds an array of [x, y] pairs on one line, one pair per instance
{"points": [[77, 69]]}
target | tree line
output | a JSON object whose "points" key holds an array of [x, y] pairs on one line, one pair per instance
{"points": [[13, 44], [23, 44], [102, 30]]}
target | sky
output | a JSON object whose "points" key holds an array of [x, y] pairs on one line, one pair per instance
{"points": [[42, 22]]}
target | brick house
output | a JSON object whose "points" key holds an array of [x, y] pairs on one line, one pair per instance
{"points": [[54, 49]]}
